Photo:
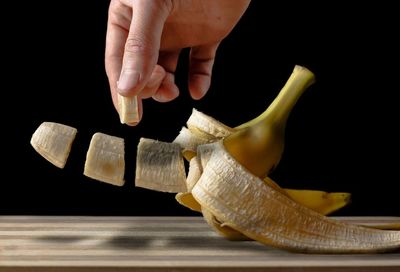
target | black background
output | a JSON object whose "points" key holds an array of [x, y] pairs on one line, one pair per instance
{"points": [[341, 136]]}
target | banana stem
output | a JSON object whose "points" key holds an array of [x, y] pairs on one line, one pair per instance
{"points": [[279, 110]]}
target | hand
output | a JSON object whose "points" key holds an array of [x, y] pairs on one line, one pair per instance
{"points": [[145, 38]]}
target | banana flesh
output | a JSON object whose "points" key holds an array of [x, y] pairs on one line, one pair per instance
{"points": [[128, 109], [160, 166], [53, 141], [242, 201], [105, 159]]}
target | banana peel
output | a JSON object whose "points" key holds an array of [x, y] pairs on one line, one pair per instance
{"points": [[245, 203]]}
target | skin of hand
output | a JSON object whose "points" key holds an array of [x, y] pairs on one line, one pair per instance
{"points": [[145, 38]]}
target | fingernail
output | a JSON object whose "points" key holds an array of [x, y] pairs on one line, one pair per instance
{"points": [[133, 124], [127, 81]]}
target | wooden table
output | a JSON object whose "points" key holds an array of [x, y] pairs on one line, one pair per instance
{"points": [[156, 244]]}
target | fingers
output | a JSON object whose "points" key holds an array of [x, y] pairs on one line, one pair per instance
{"points": [[200, 69], [154, 82], [168, 90], [161, 85], [142, 45], [115, 42]]}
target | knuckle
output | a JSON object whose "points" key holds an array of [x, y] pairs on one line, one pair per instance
{"points": [[134, 45]]}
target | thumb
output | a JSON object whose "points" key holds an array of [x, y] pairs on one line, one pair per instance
{"points": [[142, 45]]}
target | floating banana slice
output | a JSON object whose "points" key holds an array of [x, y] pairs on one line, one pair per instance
{"points": [[128, 109], [105, 159], [53, 141], [160, 166], [245, 203]]}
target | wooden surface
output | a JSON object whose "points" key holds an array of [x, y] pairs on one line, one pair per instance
{"points": [[156, 244]]}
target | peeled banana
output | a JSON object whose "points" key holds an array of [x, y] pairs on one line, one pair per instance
{"points": [[128, 109], [105, 159], [53, 141]]}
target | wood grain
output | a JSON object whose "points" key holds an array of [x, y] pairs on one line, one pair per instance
{"points": [[32, 243]]}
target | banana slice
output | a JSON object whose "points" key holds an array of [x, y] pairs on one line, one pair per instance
{"points": [[105, 159], [53, 141], [245, 203], [128, 109], [160, 166]]}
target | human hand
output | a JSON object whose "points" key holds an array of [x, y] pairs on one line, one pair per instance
{"points": [[145, 38]]}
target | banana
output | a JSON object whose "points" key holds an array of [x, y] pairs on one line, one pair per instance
{"points": [[160, 166], [128, 109], [195, 137], [259, 147], [105, 159], [242, 201], [53, 141]]}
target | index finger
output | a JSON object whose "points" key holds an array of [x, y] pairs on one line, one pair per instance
{"points": [[115, 43]]}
